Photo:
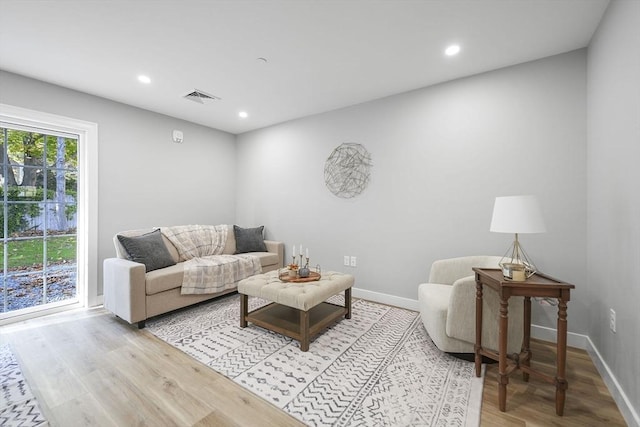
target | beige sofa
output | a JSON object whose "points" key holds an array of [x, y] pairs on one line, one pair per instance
{"points": [[135, 295]]}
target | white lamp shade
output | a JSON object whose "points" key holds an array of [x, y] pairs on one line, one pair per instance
{"points": [[517, 214]]}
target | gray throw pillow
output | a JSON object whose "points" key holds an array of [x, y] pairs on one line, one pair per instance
{"points": [[148, 249], [249, 239]]}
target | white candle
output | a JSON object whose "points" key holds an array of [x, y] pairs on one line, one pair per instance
{"points": [[293, 251], [300, 249], [307, 252]]}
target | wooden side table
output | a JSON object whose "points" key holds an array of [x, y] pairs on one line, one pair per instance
{"points": [[538, 285]]}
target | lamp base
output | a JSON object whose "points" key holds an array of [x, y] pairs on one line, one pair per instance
{"points": [[515, 272], [517, 266]]}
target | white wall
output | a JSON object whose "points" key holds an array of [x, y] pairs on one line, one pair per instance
{"points": [[613, 157], [440, 157], [145, 179]]}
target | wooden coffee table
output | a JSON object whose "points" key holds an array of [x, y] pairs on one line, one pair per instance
{"points": [[299, 309]]}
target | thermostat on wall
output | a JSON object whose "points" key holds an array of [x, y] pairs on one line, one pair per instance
{"points": [[177, 136]]}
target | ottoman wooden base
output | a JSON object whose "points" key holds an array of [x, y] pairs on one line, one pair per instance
{"points": [[297, 324]]}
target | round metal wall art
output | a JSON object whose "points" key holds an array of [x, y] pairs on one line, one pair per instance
{"points": [[347, 170]]}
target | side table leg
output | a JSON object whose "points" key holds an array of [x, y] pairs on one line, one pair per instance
{"points": [[526, 339], [503, 378], [561, 381], [244, 306], [478, 346], [347, 302]]}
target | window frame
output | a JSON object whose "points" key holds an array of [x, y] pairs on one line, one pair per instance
{"points": [[87, 231]]}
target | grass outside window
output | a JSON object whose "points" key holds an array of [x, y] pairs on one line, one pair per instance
{"points": [[24, 254]]}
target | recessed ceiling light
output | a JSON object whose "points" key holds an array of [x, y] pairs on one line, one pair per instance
{"points": [[144, 79], [454, 49], [243, 114]]}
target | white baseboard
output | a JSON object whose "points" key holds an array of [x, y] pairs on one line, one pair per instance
{"points": [[629, 413], [549, 334], [543, 333], [408, 303], [98, 300]]}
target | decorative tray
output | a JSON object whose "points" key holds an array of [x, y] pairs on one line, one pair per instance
{"points": [[313, 276]]}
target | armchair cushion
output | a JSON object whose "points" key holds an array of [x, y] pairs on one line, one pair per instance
{"points": [[433, 302], [461, 309], [448, 307], [461, 315]]}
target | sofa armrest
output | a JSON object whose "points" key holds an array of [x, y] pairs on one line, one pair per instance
{"points": [[125, 289], [278, 248]]}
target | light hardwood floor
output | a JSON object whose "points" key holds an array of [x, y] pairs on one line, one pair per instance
{"points": [[88, 368]]}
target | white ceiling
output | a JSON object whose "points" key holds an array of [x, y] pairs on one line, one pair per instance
{"points": [[321, 55]]}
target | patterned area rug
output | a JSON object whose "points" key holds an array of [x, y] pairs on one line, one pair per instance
{"points": [[377, 368], [18, 406]]}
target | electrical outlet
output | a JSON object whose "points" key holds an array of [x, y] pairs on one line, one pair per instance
{"points": [[612, 320], [353, 261], [346, 260]]}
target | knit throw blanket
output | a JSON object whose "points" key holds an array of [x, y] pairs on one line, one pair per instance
{"points": [[206, 269], [193, 241], [217, 273]]}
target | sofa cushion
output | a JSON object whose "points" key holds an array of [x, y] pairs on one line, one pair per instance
{"points": [[148, 249], [173, 251], [267, 258], [230, 246], [249, 239], [171, 277], [164, 279]]}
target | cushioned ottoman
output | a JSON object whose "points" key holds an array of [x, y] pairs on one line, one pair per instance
{"points": [[298, 310]]}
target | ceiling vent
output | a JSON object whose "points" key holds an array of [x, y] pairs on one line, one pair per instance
{"points": [[201, 97]]}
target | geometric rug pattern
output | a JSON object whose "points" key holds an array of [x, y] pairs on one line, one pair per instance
{"points": [[18, 406], [378, 368]]}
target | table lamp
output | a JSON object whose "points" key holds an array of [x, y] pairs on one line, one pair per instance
{"points": [[517, 215]]}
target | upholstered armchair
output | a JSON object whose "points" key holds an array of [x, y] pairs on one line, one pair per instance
{"points": [[448, 307]]}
